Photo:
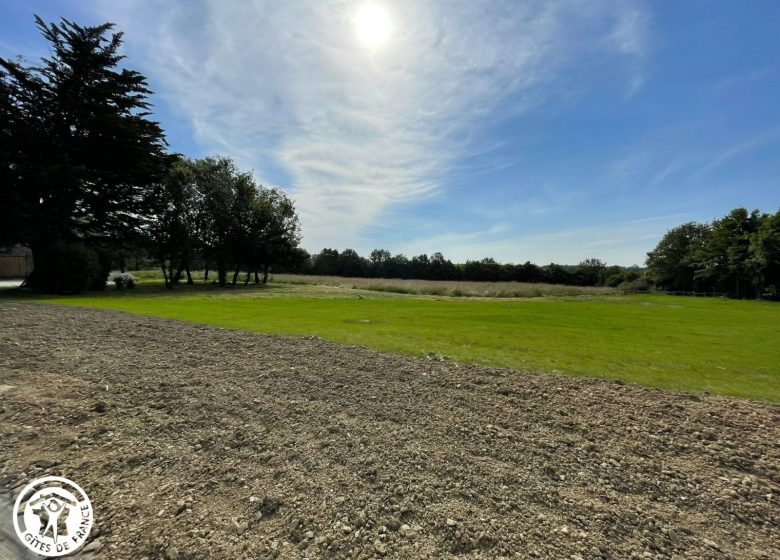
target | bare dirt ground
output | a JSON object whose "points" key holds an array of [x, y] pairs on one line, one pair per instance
{"points": [[197, 442]]}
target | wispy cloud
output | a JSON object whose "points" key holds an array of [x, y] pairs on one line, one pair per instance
{"points": [[737, 150], [631, 35], [286, 89]]}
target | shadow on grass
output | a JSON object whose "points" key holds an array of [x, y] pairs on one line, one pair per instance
{"points": [[148, 289]]}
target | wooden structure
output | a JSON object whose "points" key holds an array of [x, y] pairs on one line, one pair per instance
{"points": [[16, 262]]}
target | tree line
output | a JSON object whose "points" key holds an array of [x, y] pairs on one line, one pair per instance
{"points": [[738, 254], [382, 264], [87, 179]]}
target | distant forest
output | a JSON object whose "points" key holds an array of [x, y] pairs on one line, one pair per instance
{"points": [[737, 255], [382, 264]]}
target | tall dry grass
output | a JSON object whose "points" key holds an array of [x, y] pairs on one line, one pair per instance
{"points": [[446, 287]]}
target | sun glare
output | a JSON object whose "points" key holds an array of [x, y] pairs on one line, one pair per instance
{"points": [[372, 25]]}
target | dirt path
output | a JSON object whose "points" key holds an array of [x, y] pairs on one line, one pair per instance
{"points": [[197, 442]]}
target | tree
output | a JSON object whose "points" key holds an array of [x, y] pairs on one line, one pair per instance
{"points": [[280, 235], [398, 267], [589, 271], [481, 271], [249, 219], [764, 259], [379, 262], [420, 267], [441, 268], [215, 178], [79, 152], [557, 274], [351, 264], [721, 259], [672, 264], [326, 263], [527, 272], [174, 229]]}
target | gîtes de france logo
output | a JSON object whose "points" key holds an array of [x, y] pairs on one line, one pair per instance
{"points": [[53, 516]]}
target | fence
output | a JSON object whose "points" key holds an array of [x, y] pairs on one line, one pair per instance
{"points": [[622, 292], [695, 294]]}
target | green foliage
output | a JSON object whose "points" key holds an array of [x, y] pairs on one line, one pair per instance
{"points": [[764, 260], [722, 346], [670, 265], [209, 211], [722, 259], [591, 272], [737, 254]]}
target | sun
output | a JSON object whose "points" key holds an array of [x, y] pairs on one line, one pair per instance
{"points": [[372, 25]]}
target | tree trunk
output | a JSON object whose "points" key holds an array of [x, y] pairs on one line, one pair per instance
{"points": [[206, 273], [189, 277], [248, 275], [257, 278], [122, 264], [221, 271], [265, 274], [165, 275], [235, 275]]}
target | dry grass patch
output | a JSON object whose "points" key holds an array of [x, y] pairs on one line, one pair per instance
{"points": [[447, 287]]}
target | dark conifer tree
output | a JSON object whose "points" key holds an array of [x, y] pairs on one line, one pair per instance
{"points": [[78, 150]]}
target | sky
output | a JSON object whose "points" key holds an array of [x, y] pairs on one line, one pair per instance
{"points": [[549, 131]]}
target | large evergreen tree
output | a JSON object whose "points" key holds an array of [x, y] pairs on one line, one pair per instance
{"points": [[78, 151]]}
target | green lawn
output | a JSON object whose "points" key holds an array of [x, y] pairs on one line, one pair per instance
{"points": [[690, 344]]}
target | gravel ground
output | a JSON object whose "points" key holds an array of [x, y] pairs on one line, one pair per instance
{"points": [[198, 442]]}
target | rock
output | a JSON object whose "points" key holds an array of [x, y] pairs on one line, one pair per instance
{"points": [[95, 546], [408, 531], [240, 527]]}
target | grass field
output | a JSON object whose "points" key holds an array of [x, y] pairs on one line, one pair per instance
{"points": [[414, 287], [719, 346]]}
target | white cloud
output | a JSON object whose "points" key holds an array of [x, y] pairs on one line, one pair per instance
{"points": [[286, 89]]}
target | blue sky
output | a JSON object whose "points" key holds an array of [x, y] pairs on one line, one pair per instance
{"points": [[548, 131]]}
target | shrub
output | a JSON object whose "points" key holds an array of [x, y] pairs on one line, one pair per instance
{"points": [[638, 285], [66, 268], [122, 280]]}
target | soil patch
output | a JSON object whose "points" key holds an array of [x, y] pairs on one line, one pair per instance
{"points": [[198, 442]]}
